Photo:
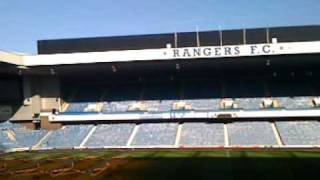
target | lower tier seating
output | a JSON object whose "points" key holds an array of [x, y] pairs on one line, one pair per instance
{"points": [[165, 134], [290, 103], [251, 133], [202, 134], [17, 136], [156, 134], [68, 137], [299, 132], [110, 135]]}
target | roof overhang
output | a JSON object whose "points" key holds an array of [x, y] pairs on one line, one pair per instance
{"points": [[11, 58], [163, 54], [168, 54]]}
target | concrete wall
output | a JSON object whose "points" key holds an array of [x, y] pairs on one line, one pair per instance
{"points": [[25, 111], [50, 93], [40, 93], [46, 124]]}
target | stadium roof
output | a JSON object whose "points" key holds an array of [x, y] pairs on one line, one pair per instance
{"points": [[181, 39], [174, 46]]}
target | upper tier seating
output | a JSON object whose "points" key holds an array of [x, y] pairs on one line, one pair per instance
{"points": [[299, 132], [249, 103], [119, 98], [159, 106], [197, 95], [204, 104], [202, 134], [116, 107], [295, 102], [85, 99], [247, 95], [251, 133], [77, 107]]}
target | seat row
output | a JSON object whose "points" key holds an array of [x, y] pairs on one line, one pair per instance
{"points": [[188, 134], [196, 104]]}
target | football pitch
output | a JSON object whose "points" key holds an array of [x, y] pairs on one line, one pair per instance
{"points": [[161, 164]]}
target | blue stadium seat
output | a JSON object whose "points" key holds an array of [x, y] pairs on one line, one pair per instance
{"points": [[295, 102], [152, 105], [204, 104], [84, 96], [110, 135], [116, 106], [6, 142], [68, 137], [9, 125], [77, 107], [156, 134], [29, 138], [249, 103], [17, 136], [251, 133], [299, 132], [202, 134]]}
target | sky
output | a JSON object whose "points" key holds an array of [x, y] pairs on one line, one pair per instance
{"points": [[24, 22]]}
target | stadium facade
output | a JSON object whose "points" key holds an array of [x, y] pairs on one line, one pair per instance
{"points": [[214, 89]]}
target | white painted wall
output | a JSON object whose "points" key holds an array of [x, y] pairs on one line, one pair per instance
{"points": [[167, 54]]}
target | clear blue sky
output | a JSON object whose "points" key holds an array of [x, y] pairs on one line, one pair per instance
{"points": [[24, 22]]}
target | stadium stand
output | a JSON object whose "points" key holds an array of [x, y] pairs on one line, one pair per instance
{"points": [[8, 125], [202, 134], [17, 136], [77, 107], [249, 103], [113, 107], [83, 98], [110, 135], [198, 96], [156, 134], [68, 137], [204, 104], [295, 102], [154, 106], [170, 91], [299, 132], [163, 105], [251, 133], [28, 138], [162, 134]]}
